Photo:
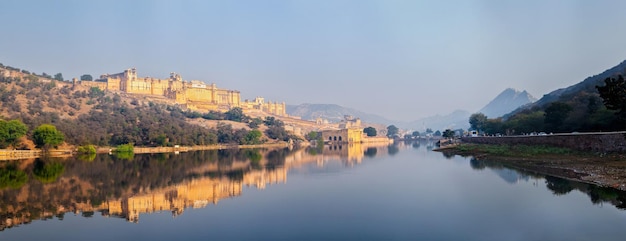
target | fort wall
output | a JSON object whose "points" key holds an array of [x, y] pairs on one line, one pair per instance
{"points": [[193, 94]]}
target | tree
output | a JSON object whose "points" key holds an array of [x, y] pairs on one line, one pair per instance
{"points": [[58, 77], [437, 133], [415, 134], [255, 123], [448, 133], [253, 137], [10, 131], [46, 136], [313, 135], [477, 121], [392, 131], [236, 114], [370, 131], [555, 114], [613, 95], [86, 77]]}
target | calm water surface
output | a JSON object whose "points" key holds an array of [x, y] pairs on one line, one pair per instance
{"points": [[400, 192]]}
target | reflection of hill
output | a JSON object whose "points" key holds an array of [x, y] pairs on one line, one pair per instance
{"points": [[153, 183], [558, 186]]}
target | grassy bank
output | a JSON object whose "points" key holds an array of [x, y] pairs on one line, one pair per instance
{"points": [[512, 150]]}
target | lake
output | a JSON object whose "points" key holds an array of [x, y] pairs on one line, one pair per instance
{"points": [[350, 192]]}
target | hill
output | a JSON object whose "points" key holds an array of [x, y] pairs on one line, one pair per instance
{"points": [[587, 86], [578, 107], [506, 102], [88, 115], [333, 113], [456, 120]]}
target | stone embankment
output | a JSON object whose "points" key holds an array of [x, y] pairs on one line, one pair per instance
{"points": [[6, 155], [602, 142]]}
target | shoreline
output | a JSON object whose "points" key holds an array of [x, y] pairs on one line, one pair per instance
{"points": [[605, 170], [9, 155]]}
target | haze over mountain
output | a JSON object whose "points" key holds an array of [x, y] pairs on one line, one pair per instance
{"points": [[507, 101], [333, 113]]}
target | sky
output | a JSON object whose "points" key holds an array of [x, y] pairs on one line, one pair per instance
{"points": [[403, 60]]}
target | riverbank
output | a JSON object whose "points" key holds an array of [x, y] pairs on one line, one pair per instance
{"points": [[6, 155], [607, 170]]}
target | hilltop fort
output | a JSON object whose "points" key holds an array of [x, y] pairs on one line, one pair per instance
{"points": [[193, 94]]}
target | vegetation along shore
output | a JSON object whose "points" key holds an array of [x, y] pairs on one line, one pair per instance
{"points": [[604, 169]]}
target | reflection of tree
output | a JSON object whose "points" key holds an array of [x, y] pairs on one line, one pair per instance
{"points": [[559, 186], [276, 158], [12, 177], [48, 172], [477, 164], [255, 158], [448, 154], [599, 194], [392, 150], [87, 157], [370, 152], [416, 145]]}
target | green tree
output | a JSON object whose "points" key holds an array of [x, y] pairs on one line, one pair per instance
{"points": [[613, 95], [11, 131], [555, 114], [236, 114], [313, 135], [448, 133], [477, 121], [392, 130], [415, 134], [86, 77], [255, 122], [253, 137], [58, 77], [370, 131], [46, 136], [437, 133], [494, 126]]}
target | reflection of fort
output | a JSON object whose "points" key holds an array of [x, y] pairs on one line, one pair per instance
{"points": [[210, 183], [195, 194]]}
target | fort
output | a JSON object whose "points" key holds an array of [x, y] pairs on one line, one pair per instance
{"points": [[193, 94]]}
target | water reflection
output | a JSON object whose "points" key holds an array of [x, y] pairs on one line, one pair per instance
{"points": [[558, 186], [115, 186]]}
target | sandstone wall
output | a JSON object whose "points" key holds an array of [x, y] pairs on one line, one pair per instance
{"points": [[596, 142]]}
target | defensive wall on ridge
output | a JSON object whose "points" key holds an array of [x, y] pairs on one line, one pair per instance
{"points": [[596, 141], [194, 94]]}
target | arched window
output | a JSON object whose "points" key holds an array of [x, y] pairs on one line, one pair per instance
{"points": [[330, 138], [340, 138], [335, 137]]}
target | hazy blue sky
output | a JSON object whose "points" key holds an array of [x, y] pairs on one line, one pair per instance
{"points": [[400, 59]]}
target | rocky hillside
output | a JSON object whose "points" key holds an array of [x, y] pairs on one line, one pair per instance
{"points": [[585, 87], [92, 116], [507, 101]]}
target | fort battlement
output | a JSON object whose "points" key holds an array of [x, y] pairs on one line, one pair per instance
{"points": [[194, 94]]}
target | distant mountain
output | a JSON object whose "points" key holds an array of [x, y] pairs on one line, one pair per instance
{"points": [[333, 113], [458, 119], [507, 101]]}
